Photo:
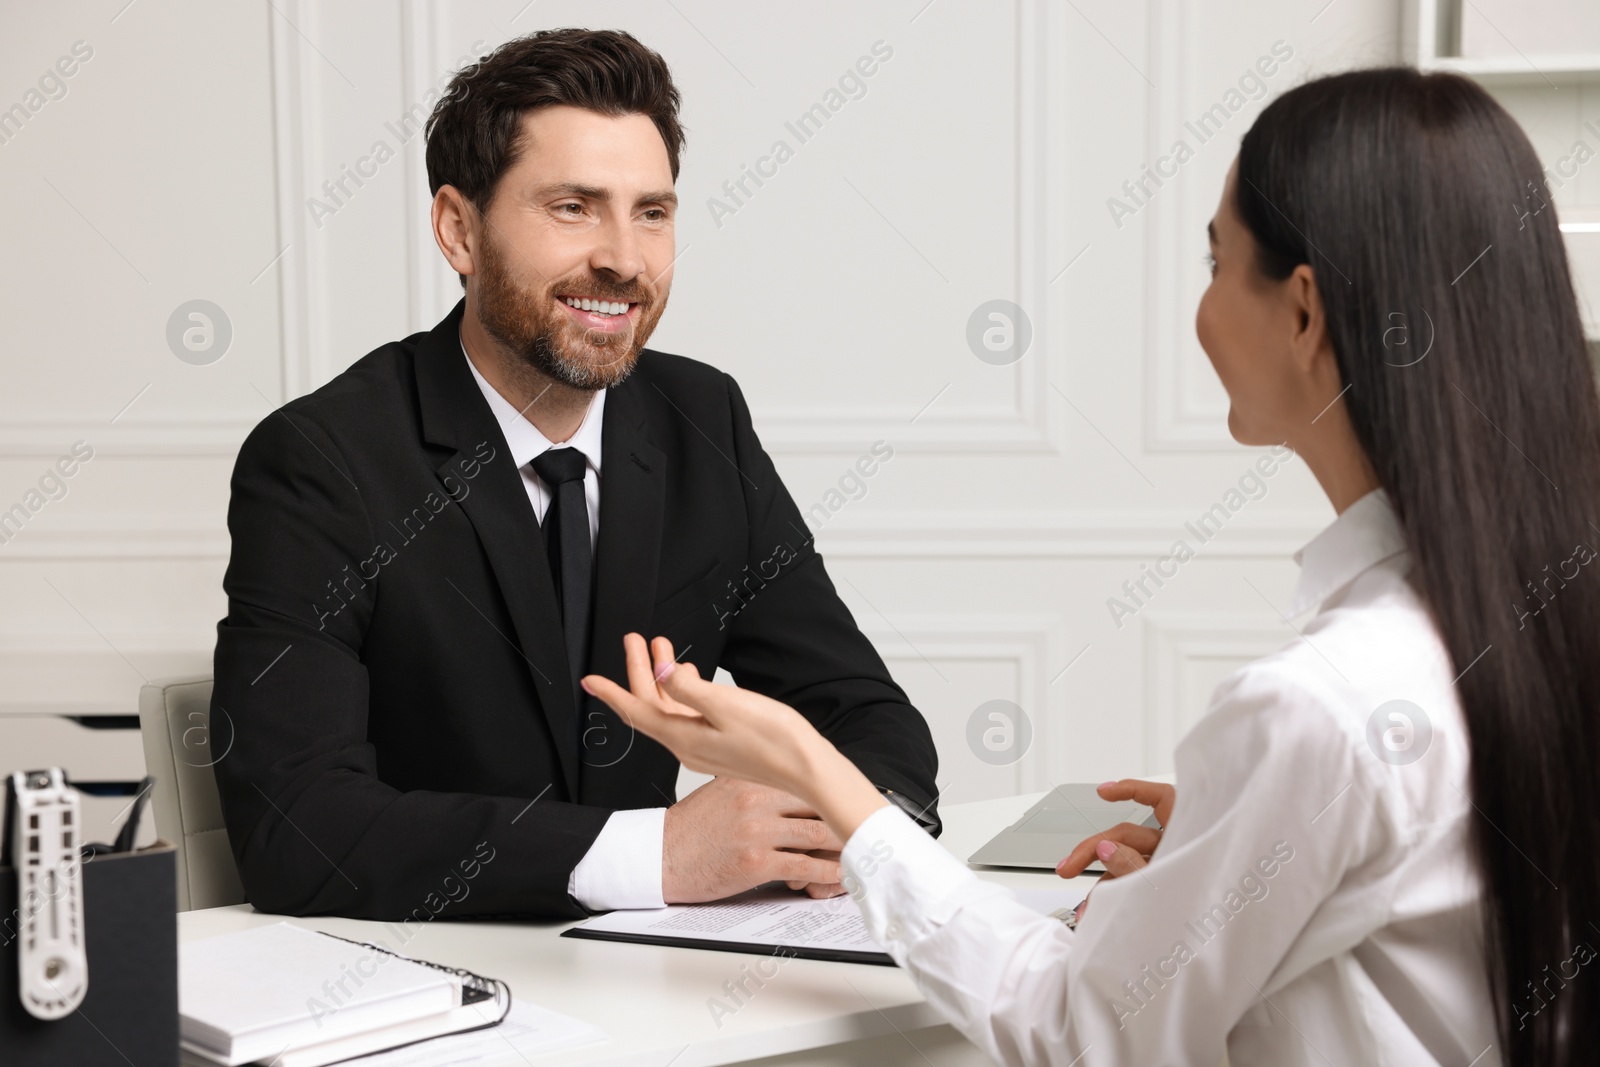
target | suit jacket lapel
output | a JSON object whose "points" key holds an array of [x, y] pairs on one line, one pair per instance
{"points": [[456, 417]]}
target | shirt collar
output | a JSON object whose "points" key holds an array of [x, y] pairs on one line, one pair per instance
{"points": [[1366, 534], [523, 437]]}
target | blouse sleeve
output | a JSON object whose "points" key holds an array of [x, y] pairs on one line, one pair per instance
{"points": [[1275, 809]]}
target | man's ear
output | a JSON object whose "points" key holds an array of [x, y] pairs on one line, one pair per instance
{"points": [[456, 229]]}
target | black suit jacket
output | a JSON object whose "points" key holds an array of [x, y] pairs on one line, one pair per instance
{"points": [[392, 693]]}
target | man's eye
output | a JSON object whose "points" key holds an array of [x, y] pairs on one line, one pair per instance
{"points": [[1211, 263], [574, 209], [655, 214]]}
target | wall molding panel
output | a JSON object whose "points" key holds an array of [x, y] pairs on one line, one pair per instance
{"points": [[153, 535], [197, 436], [1065, 535], [1180, 643], [1030, 642], [1021, 429], [1072, 535], [81, 674]]}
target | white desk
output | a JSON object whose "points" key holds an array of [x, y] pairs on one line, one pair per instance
{"points": [[652, 1000]]}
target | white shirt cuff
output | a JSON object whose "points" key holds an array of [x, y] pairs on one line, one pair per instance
{"points": [[905, 883], [622, 869]]}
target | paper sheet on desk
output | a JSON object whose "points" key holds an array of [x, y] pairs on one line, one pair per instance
{"points": [[528, 1031], [769, 919]]}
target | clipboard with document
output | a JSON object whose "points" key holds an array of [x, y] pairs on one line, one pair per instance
{"points": [[775, 920]]}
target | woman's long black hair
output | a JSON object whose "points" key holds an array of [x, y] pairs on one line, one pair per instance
{"points": [[1428, 223]]}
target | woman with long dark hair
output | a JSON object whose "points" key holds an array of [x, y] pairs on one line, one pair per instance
{"points": [[1384, 841]]}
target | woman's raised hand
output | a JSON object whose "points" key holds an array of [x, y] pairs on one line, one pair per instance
{"points": [[732, 732], [714, 729]]}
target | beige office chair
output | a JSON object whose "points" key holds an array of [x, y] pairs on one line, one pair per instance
{"points": [[175, 723]]}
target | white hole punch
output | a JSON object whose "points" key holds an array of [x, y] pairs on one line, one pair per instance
{"points": [[51, 960]]}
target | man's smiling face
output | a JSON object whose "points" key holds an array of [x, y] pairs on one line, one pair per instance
{"points": [[573, 263]]}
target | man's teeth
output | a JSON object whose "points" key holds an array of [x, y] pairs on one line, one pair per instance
{"points": [[601, 307]]}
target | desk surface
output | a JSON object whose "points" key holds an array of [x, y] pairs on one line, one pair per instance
{"points": [[651, 1000]]}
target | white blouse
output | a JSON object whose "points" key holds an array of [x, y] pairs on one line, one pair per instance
{"points": [[1312, 900]]}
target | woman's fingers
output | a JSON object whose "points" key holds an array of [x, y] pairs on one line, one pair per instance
{"points": [[634, 711], [684, 686], [665, 662], [645, 676], [657, 682], [615, 697], [712, 728], [1157, 795], [651, 715], [682, 682], [1119, 859], [641, 674], [1141, 839]]}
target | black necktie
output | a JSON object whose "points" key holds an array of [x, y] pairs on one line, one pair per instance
{"points": [[566, 540]]}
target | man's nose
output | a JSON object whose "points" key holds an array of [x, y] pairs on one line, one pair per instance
{"points": [[617, 252]]}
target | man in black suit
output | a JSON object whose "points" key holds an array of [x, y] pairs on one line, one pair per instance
{"points": [[430, 550]]}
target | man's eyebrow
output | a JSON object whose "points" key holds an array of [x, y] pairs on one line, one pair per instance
{"points": [[1211, 232], [594, 192], [588, 192]]}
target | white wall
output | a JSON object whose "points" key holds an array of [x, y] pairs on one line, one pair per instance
{"points": [[977, 166]]}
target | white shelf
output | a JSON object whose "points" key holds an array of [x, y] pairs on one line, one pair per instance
{"points": [[1422, 32], [1520, 70]]}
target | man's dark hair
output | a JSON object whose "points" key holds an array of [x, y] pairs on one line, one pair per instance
{"points": [[474, 131]]}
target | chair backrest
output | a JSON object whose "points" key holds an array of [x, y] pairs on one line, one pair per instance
{"points": [[175, 724]]}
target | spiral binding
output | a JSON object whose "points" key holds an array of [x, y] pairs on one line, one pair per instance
{"points": [[475, 988]]}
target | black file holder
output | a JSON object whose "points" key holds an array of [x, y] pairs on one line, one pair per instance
{"points": [[130, 1013]]}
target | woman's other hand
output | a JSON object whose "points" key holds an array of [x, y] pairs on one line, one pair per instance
{"points": [[1125, 847]]}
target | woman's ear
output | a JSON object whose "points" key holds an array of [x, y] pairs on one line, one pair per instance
{"points": [[1308, 334]]}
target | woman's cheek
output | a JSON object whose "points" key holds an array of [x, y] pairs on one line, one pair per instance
{"points": [[1204, 329], [1221, 350]]}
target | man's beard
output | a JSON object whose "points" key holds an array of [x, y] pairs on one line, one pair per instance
{"points": [[536, 328]]}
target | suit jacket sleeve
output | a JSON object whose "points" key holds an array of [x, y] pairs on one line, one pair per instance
{"points": [[312, 826], [795, 641]]}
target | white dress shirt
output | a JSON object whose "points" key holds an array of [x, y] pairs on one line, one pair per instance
{"points": [[622, 869], [1311, 902]]}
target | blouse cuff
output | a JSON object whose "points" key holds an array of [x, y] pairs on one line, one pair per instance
{"points": [[905, 883]]}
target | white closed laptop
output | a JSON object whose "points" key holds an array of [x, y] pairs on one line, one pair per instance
{"points": [[1050, 829]]}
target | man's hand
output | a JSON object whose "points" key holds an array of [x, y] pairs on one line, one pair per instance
{"points": [[731, 835]]}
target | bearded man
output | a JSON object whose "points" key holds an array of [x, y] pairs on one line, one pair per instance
{"points": [[430, 550]]}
